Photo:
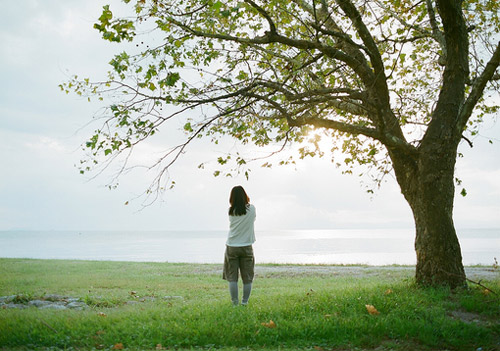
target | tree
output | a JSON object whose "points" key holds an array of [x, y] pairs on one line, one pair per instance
{"points": [[394, 85]]}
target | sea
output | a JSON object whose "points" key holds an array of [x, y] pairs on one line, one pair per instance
{"points": [[332, 246]]}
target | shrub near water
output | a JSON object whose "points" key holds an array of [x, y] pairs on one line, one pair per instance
{"points": [[287, 310]]}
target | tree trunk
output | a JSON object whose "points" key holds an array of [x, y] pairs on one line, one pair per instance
{"points": [[427, 183]]}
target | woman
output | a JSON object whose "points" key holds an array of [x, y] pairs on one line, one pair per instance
{"points": [[239, 252]]}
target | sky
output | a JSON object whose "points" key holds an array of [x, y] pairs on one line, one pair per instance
{"points": [[42, 129]]}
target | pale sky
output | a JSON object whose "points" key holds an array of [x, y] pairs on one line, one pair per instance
{"points": [[44, 42]]}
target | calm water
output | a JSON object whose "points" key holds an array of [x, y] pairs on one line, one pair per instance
{"points": [[338, 246]]}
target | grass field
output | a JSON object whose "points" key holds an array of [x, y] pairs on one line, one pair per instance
{"points": [[154, 306]]}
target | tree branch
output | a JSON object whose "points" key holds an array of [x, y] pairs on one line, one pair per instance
{"points": [[339, 35], [478, 88], [354, 94], [418, 29], [372, 50], [388, 140], [271, 37], [341, 104], [362, 70], [272, 26], [468, 141], [234, 94], [455, 74], [178, 150], [292, 61], [436, 32], [378, 89], [336, 125], [294, 121], [405, 40]]}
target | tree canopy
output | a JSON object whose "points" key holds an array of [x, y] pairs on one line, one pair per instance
{"points": [[367, 73]]}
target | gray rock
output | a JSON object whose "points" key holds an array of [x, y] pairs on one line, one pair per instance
{"points": [[14, 305], [39, 303], [173, 298], [54, 306], [52, 301], [7, 299], [75, 305]]}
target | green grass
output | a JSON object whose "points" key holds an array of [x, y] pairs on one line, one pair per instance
{"points": [[312, 311]]}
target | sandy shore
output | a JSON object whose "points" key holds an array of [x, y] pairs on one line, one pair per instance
{"points": [[475, 273]]}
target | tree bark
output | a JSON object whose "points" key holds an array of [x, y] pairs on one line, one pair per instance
{"points": [[427, 179], [427, 182]]}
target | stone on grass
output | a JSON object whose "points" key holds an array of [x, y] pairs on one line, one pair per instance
{"points": [[53, 301]]}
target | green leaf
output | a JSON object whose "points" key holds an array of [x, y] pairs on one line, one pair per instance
{"points": [[172, 78], [106, 14], [217, 5], [242, 75], [402, 57], [372, 152], [188, 127]]}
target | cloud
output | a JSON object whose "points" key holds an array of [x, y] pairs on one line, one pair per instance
{"points": [[46, 145], [44, 42]]}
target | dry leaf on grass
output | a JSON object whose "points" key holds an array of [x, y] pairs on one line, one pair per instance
{"points": [[372, 310], [388, 292], [271, 324], [118, 346], [333, 314]]}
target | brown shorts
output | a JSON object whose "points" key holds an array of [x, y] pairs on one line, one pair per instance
{"points": [[238, 259]]}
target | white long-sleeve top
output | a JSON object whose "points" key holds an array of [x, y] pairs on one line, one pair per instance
{"points": [[241, 228]]}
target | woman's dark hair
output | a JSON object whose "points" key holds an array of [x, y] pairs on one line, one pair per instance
{"points": [[239, 201]]}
